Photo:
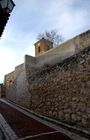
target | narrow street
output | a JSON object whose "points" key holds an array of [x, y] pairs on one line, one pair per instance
{"points": [[27, 128]]}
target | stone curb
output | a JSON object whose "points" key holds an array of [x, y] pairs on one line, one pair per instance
{"points": [[6, 129], [64, 125]]}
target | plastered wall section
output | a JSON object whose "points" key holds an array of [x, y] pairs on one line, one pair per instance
{"points": [[65, 50], [10, 77], [58, 54], [22, 93], [10, 83], [53, 55], [16, 86]]}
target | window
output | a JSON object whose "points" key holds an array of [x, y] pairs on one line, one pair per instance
{"points": [[10, 81], [39, 49]]}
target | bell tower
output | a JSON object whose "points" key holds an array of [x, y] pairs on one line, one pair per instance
{"points": [[42, 46]]}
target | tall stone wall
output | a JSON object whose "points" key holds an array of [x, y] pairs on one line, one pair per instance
{"points": [[9, 78], [62, 91], [22, 93], [57, 83], [16, 86]]}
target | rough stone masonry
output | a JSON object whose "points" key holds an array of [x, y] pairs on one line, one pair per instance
{"points": [[62, 91], [56, 84]]}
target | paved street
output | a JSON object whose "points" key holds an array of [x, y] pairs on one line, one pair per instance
{"points": [[26, 127]]}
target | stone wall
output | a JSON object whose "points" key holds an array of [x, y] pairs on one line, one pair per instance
{"points": [[62, 91], [11, 77], [57, 83], [16, 86]]}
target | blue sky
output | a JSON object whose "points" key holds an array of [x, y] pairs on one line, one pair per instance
{"points": [[31, 17]]}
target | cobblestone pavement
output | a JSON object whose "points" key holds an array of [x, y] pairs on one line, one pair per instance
{"points": [[27, 128]]}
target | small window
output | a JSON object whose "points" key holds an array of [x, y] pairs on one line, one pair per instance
{"points": [[10, 81], [39, 49]]}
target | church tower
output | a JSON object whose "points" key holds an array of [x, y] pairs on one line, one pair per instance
{"points": [[42, 46]]}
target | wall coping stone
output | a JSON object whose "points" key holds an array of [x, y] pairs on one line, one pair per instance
{"points": [[6, 129]]}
